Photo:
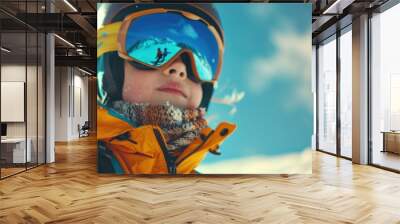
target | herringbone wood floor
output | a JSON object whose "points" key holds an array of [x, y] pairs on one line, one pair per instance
{"points": [[70, 191]]}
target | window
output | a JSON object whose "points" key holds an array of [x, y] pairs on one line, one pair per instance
{"points": [[346, 92], [385, 89], [327, 96]]}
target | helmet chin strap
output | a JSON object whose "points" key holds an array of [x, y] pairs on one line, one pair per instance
{"points": [[208, 90]]}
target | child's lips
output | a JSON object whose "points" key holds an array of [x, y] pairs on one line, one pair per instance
{"points": [[172, 89]]}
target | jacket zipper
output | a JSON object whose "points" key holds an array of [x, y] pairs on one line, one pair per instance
{"points": [[196, 149], [170, 161]]}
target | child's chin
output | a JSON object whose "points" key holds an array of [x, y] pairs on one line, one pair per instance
{"points": [[182, 104], [179, 105], [173, 102], [176, 101]]}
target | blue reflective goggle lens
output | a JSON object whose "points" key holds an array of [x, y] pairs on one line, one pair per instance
{"points": [[156, 38]]}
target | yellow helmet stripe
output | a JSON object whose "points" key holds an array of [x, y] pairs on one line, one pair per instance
{"points": [[107, 38]]}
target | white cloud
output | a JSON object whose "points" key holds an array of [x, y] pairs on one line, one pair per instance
{"points": [[233, 111], [294, 163], [261, 11], [292, 60], [230, 100], [212, 118]]}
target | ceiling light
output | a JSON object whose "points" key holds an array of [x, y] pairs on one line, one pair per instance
{"points": [[65, 41], [331, 7], [5, 49], [70, 5], [84, 71], [337, 7]]}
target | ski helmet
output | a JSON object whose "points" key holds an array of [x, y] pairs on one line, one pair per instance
{"points": [[110, 65]]}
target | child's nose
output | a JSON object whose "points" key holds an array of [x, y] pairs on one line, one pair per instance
{"points": [[176, 70]]}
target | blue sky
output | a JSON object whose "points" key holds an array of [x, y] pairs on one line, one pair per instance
{"points": [[265, 84]]}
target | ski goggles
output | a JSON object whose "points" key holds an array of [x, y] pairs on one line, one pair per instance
{"points": [[156, 37]]}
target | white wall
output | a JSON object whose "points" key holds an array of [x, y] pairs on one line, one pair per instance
{"points": [[71, 94], [61, 103], [80, 100], [10, 73]]}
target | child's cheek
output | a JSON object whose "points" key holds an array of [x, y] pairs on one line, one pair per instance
{"points": [[132, 94], [196, 97], [192, 104]]}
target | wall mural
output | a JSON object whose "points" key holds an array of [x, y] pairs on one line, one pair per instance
{"points": [[195, 88]]}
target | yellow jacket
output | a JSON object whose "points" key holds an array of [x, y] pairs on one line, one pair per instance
{"points": [[142, 150]]}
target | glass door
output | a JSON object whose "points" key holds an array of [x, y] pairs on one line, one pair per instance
{"points": [[14, 153], [22, 76]]}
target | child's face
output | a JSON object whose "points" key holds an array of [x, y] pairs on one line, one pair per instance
{"points": [[158, 86]]}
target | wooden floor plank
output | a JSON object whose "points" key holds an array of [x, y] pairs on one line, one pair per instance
{"points": [[71, 191]]}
